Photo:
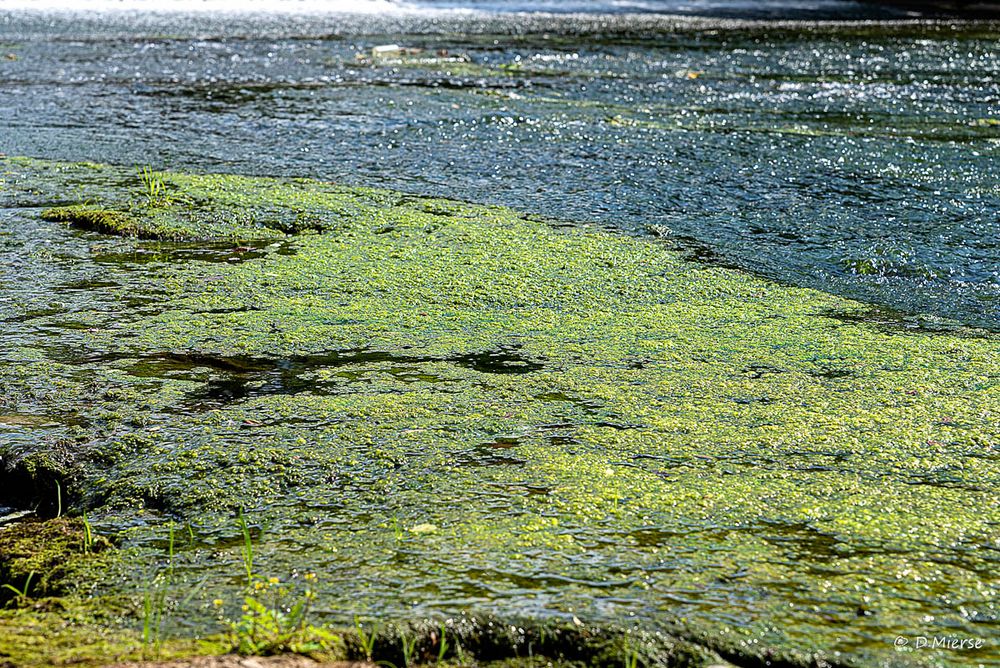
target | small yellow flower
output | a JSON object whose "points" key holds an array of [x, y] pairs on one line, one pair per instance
{"points": [[273, 581], [217, 602]]}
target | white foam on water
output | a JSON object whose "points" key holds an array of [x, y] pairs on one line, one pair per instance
{"points": [[411, 7], [215, 6]]}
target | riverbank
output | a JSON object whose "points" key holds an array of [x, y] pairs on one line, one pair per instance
{"points": [[405, 408]]}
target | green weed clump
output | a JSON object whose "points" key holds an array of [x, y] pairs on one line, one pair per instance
{"points": [[275, 615], [21, 593], [275, 619], [40, 558], [154, 188], [128, 218]]}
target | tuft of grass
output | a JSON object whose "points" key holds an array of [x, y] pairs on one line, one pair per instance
{"points": [[397, 530], [409, 646], [247, 549], [154, 602], [367, 640], [154, 189], [21, 594], [274, 617], [88, 535], [153, 605], [443, 648]]}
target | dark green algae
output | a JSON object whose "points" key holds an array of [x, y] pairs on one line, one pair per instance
{"points": [[448, 410]]}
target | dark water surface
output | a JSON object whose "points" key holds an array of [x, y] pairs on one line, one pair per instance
{"points": [[861, 159]]}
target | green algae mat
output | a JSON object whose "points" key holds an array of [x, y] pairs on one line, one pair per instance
{"points": [[278, 415]]}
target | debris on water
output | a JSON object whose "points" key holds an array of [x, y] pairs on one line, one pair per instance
{"points": [[8, 515], [424, 528], [394, 53], [387, 50]]}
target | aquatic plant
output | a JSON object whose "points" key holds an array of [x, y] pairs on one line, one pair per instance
{"points": [[88, 535], [154, 188], [442, 643], [397, 529], [408, 645], [21, 594], [154, 603], [247, 551], [631, 659], [275, 619], [366, 639], [274, 616]]}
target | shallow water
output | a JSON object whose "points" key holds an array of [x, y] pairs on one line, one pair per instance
{"points": [[859, 160]]}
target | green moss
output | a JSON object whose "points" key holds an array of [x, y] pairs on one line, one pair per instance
{"points": [[594, 427], [48, 555], [64, 631], [97, 220], [488, 641]]}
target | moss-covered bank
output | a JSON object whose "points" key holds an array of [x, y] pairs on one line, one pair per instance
{"points": [[444, 409]]}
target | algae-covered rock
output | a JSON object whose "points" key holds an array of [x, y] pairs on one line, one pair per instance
{"points": [[98, 220], [40, 557], [596, 429], [177, 207]]}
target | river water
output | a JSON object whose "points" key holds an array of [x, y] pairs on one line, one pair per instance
{"points": [[858, 158]]}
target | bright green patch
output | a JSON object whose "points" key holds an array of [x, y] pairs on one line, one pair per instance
{"points": [[442, 408]]}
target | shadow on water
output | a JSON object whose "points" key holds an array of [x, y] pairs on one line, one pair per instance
{"points": [[814, 548], [496, 453], [692, 249], [503, 359], [586, 404], [231, 379], [797, 539], [831, 373], [214, 252], [757, 371], [894, 321], [802, 541]]}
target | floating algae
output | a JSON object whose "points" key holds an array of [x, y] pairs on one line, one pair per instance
{"points": [[597, 429]]}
